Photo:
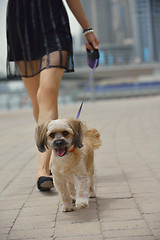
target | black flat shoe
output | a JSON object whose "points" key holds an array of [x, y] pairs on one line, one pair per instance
{"points": [[45, 184]]}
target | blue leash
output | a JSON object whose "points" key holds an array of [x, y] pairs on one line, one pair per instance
{"points": [[89, 81]]}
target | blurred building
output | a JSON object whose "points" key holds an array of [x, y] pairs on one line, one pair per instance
{"points": [[129, 30], [155, 14], [112, 25], [145, 16], [110, 19]]}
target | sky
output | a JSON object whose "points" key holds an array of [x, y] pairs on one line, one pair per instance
{"points": [[75, 29]]}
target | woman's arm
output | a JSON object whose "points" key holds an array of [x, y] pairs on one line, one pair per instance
{"points": [[77, 10]]}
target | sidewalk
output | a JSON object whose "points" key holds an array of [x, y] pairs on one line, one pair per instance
{"points": [[127, 206]]}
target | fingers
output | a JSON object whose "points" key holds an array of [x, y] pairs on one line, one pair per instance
{"points": [[88, 46], [90, 37], [95, 44]]}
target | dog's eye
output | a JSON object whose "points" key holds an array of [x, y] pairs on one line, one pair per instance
{"points": [[65, 133], [52, 135]]}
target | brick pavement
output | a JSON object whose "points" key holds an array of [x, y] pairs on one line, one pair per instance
{"points": [[127, 206]]}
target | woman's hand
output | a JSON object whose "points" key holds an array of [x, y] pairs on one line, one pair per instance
{"points": [[91, 38]]}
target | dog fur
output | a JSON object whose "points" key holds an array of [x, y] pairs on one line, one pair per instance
{"points": [[72, 157]]}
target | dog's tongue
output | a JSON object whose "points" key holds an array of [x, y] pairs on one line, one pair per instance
{"points": [[60, 151]]}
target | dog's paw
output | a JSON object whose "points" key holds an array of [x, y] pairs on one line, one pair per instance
{"points": [[82, 203], [68, 208]]}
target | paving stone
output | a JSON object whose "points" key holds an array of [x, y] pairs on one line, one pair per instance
{"points": [[85, 237], [80, 216], [133, 238], [156, 233], [3, 236], [128, 233], [119, 215], [77, 229], [34, 233], [124, 225], [39, 211], [116, 204]]}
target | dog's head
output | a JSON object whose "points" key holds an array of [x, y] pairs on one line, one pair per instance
{"points": [[60, 135]]}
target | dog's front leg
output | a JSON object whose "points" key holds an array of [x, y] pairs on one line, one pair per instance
{"points": [[72, 191], [62, 188], [82, 191]]}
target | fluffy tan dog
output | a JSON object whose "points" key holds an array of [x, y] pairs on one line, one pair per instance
{"points": [[72, 159]]}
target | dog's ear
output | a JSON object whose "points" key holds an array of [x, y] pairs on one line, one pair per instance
{"points": [[77, 128], [41, 137]]}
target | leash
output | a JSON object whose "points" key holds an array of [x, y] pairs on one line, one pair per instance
{"points": [[88, 84]]}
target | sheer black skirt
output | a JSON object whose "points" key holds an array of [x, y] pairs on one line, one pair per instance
{"points": [[38, 37]]}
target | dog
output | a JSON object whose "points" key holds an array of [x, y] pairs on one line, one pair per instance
{"points": [[72, 158]]}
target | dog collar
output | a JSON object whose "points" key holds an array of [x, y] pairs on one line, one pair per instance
{"points": [[72, 149]]}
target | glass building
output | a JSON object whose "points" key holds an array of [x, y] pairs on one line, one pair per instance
{"points": [[111, 22], [145, 16], [155, 13], [128, 30]]}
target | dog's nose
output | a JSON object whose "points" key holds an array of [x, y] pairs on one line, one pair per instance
{"points": [[59, 143]]}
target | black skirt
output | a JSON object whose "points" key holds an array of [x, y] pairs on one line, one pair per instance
{"points": [[38, 37]]}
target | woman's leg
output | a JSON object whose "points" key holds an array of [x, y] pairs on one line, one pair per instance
{"points": [[32, 86], [43, 91], [47, 97]]}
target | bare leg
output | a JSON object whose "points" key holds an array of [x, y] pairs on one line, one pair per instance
{"points": [[47, 94], [43, 91], [47, 97], [32, 86]]}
